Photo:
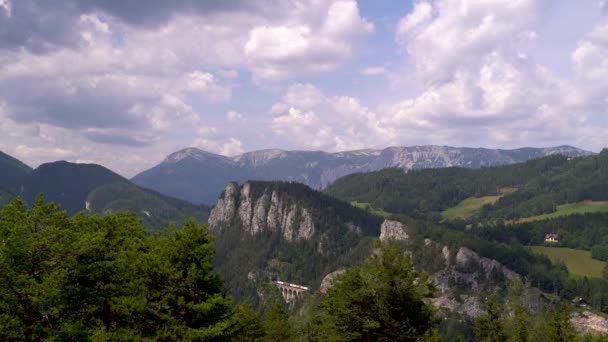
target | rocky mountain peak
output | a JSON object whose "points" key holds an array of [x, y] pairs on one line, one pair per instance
{"points": [[193, 153], [259, 158]]}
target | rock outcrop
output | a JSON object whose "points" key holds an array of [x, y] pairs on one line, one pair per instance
{"points": [[268, 211], [393, 230], [465, 257], [589, 322], [329, 279]]}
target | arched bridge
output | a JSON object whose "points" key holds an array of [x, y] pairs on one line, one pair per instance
{"points": [[289, 291]]}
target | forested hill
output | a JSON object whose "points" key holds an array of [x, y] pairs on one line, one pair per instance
{"points": [[525, 189], [287, 231], [68, 183], [94, 189], [14, 173]]}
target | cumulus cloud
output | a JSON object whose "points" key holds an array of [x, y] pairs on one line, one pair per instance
{"points": [[234, 116], [374, 71], [281, 51], [212, 140], [471, 60], [309, 119]]}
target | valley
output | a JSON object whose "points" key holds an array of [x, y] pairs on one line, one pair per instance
{"points": [[469, 230]]}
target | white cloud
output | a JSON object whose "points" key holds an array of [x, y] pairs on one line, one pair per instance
{"points": [[476, 76], [5, 5], [303, 95], [311, 120], [374, 71], [457, 34], [28, 152], [234, 116], [276, 52], [212, 140], [422, 13]]}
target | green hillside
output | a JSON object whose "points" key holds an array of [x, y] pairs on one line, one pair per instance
{"points": [[541, 185], [468, 207], [68, 184], [584, 207], [156, 210], [577, 261]]}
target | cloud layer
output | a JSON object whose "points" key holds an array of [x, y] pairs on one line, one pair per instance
{"points": [[125, 82]]}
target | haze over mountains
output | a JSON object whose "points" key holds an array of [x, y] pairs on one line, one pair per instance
{"points": [[198, 176]]}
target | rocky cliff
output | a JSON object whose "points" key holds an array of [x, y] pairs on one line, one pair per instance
{"points": [[269, 211], [286, 231]]}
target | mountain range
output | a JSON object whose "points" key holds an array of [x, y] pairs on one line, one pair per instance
{"points": [[199, 176], [91, 188]]}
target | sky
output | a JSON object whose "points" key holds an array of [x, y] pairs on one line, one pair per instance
{"points": [[124, 83]]}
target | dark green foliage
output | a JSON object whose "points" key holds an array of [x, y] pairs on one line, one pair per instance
{"points": [[85, 278], [541, 185], [276, 324], [381, 301], [513, 321], [248, 327], [5, 198], [600, 252], [490, 325]]}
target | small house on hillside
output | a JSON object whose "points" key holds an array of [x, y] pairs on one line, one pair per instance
{"points": [[580, 302], [551, 238]]}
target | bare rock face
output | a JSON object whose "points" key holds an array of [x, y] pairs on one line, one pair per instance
{"points": [[267, 212], [226, 206], [588, 322], [466, 256], [468, 305], [328, 280], [393, 230]]}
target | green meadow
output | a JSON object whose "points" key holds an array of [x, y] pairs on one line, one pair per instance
{"points": [[468, 207], [570, 209], [578, 262]]}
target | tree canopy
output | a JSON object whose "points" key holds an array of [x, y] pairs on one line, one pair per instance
{"points": [[93, 277]]}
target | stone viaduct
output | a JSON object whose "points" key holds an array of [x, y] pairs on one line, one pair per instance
{"points": [[289, 291]]}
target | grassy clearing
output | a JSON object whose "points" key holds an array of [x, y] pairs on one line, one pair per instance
{"points": [[578, 262], [375, 211], [468, 207], [570, 209]]}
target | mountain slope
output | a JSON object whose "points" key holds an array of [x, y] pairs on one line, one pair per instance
{"points": [[534, 187], [68, 183], [198, 176], [287, 231], [13, 173], [156, 210], [94, 189]]}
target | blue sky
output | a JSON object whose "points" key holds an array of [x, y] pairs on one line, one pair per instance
{"points": [[124, 84]]}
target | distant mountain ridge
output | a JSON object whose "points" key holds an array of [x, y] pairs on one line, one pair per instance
{"points": [[93, 189], [199, 176]]}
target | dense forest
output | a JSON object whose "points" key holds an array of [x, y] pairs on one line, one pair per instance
{"points": [[526, 189], [104, 278]]}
